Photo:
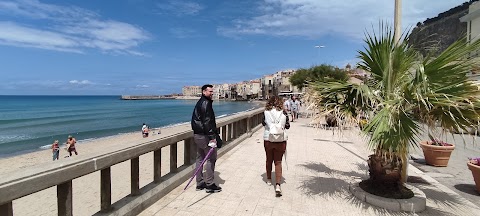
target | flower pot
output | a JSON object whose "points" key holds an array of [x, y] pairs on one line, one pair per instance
{"points": [[476, 174], [436, 155]]}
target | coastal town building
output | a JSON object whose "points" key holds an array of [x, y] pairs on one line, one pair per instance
{"points": [[473, 29], [473, 21], [192, 91], [268, 87], [282, 81]]}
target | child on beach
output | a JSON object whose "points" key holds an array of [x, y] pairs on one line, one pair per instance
{"points": [[55, 150], [71, 145], [144, 130]]}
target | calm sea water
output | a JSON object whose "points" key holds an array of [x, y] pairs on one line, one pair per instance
{"points": [[29, 123]]}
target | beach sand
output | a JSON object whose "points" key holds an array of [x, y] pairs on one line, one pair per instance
{"points": [[86, 189]]}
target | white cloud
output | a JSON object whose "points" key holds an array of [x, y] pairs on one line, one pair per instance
{"points": [[142, 86], [180, 8], [70, 29], [81, 82], [313, 18]]}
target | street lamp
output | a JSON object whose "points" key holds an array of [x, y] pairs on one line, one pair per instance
{"points": [[319, 47], [397, 20]]}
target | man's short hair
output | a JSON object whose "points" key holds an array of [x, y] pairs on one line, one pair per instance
{"points": [[206, 86]]}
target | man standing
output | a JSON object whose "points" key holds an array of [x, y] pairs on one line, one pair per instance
{"points": [[204, 135]]}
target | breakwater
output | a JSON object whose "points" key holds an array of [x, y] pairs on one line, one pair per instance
{"points": [[146, 97]]}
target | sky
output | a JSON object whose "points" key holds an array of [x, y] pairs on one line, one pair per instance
{"points": [[148, 47]]}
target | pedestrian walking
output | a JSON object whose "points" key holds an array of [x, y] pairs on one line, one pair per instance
{"points": [[71, 141], [204, 135], [275, 122]]}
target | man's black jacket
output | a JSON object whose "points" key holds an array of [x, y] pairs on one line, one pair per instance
{"points": [[203, 118]]}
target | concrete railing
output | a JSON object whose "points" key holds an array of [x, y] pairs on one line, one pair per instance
{"points": [[233, 130]]}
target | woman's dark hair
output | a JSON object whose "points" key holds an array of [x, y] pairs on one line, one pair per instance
{"points": [[276, 102]]}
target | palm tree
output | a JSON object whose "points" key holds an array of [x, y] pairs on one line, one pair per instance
{"points": [[406, 92]]}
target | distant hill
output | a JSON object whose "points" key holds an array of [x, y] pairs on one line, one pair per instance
{"points": [[434, 35]]}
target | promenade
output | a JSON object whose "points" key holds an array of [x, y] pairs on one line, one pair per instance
{"points": [[319, 168]]}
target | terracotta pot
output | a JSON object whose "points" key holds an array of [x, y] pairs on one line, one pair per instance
{"points": [[436, 155], [476, 174]]}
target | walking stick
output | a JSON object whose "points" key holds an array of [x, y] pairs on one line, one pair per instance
{"points": [[199, 167]]}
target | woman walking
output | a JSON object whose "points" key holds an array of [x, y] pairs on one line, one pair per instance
{"points": [[55, 150], [275, 121]]}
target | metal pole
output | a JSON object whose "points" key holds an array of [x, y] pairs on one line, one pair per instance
{"points": [[398, 20]]}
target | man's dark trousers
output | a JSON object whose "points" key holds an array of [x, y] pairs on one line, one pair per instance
{"points": [[201, 141]]}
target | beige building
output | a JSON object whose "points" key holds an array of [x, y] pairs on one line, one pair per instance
{"points": [[282, 81], [473, 21], [221, 91], [192, 91], [473, 27], [267, 87]]}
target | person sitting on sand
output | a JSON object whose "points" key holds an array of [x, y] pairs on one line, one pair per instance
{"points": [[55, 150], [71, 145], [144, 130]]}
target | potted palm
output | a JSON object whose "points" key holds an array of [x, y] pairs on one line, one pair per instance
{"points": [[405, 93], [474, 166], [437, 152]]}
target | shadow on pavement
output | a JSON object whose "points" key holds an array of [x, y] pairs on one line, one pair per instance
{"points": [[377, 210], [217, 179], [443, 200], [264, 177], [332, 183], [207, 195], [467, 188], [335, 185]]}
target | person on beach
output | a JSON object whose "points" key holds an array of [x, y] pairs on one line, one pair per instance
{"points": [[71, 141], [55, 150], [204, 135], [145, 130], [274, 115], [294, 107]]}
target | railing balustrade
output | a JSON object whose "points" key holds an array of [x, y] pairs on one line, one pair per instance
{"points": [[233, 129]]}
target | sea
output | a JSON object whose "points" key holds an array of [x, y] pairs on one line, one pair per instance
{"points": [[32, 123]]}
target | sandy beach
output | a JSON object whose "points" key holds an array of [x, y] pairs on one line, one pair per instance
{"points": [[86, 189]]}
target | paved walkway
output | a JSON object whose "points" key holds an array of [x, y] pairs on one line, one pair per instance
{"points": [[320, 168]]}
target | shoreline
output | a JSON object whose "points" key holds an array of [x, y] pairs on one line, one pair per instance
{"points": [[13, 151], [88, 146]]}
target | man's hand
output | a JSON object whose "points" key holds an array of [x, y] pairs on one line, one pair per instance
{"points": [[212, 143]]}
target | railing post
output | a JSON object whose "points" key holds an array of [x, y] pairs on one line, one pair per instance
{"points": [[157, 165], [187, 151], [64, 199], [134, 176], [105, 189], [249, 129], [239, 131], [224, 134], [235, 130], [229, 132], [173, 157], [193, 151], [6, 209]]}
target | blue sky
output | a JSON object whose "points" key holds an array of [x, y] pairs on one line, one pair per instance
{"points": [[113, 47]]}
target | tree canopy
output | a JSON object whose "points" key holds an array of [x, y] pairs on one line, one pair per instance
{"points": [[317, 73]]}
